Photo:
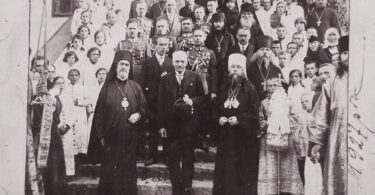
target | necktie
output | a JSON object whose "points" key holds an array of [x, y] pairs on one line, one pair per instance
{"points": [[179, 79], [161, 60], [242, 48]]}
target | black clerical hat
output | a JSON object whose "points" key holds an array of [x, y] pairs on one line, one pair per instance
{"points": [[313, 38], [263, 41], [219, 16], [247, 7]]}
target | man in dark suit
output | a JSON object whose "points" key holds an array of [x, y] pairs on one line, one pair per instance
{"points": [[155, 67], [180, 96], [243, 46], [188, 9]]}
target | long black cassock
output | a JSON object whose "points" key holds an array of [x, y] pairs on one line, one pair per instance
{"points": [[236, 168], [118, 156]]}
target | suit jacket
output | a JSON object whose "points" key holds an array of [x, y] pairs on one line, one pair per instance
{"points": [[152, 72], [174, 24], [191, 86]]}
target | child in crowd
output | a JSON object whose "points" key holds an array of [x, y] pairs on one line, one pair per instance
{"points": [[78, 95], [84, 33], [70, 62], [295, 89], [82, 6], [94, 91], [310, 73]]}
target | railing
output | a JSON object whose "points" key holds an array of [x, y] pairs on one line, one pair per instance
{"points": [[56, 44]]}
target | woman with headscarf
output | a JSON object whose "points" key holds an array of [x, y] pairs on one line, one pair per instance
{"points": [[113, 141], [316, 53], [331, 42]]}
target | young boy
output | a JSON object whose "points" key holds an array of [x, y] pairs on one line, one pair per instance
{"points": [[310, 73], [77, 93]]}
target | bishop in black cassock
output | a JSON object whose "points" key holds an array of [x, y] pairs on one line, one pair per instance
{"points": [[113, 140], [236, 168]]}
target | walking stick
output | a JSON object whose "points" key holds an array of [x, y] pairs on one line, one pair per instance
{"points": [[278, 172]]}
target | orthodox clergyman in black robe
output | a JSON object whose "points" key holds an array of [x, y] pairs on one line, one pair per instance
{"points": [[236, 168], [113, 140], [262, 66]]}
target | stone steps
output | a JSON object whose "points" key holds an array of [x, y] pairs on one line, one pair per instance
{"points": [[152, 180], [202, 171], [88, 186]]}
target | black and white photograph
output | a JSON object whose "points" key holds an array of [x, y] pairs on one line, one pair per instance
{"points": [[187, 97]]}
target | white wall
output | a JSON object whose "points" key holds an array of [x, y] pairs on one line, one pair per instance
{"points": [[53, 23], [362, 25], [13, 89]]}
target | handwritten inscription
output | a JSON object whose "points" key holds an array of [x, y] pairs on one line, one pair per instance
{"points": [[358, 130]]}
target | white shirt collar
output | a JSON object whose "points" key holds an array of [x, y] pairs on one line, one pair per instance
{"points": [[182, 73], [243, 47]]}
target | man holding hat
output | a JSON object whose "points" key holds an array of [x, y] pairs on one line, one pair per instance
{"points": [[262, 66], [236, 168], [180, 97], [113, 141], [329, 130]]}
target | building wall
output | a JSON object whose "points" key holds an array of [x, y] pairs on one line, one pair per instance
{"points": [[36, 15]]}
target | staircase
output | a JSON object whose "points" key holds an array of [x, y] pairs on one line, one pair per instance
{"points": [[152, 180]]}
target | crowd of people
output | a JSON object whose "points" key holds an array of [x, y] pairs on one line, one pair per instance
{"points": [[265, 80]]}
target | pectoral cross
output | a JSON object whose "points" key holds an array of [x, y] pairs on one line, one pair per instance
{"points": [[218, 49], [318, 22], [264, 84]]}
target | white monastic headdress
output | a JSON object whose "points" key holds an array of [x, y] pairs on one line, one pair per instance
{"points": [[238, 59]]}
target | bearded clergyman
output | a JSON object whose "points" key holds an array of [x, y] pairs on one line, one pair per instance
{"points": [[263, 65], [113, 141], [236, 168]]}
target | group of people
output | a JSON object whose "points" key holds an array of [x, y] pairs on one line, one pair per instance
{"points": [[265, 80]]}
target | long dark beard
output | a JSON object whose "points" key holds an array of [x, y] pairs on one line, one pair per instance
{"points": [[235, 80], [263, 60]]}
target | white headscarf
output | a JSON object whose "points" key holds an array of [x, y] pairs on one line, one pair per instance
{"points": [[329, 31]]}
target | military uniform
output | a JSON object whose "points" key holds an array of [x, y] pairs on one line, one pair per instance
{"points": [[206, 27], [185, 41], [172, 44], [140, 51], [203, 61], [146, 26]]}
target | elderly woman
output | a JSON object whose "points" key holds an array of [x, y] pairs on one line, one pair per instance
{"points": [[330, 44]]}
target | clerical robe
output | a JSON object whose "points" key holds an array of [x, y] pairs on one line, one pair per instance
{"points": [[274, 166], [258, 78], [111, 125], [330, 130], [236, 168]]}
